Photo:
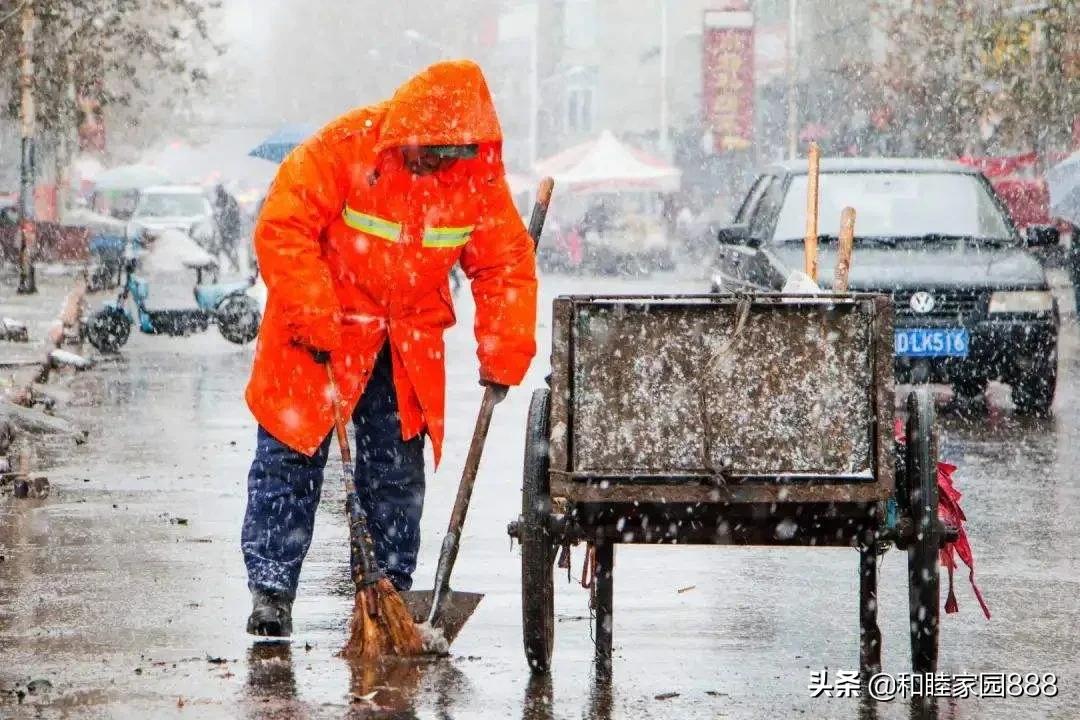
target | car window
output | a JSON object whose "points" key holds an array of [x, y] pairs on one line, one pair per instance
{"points": [[897, 204], [171, 205], [766, 210], [752, 198]]}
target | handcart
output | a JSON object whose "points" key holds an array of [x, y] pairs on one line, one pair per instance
{"points": [[727, 420]]}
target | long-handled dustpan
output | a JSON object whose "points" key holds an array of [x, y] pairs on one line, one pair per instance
{"points": [[444, 609]]}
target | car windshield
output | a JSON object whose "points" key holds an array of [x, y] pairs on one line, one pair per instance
{"points": [[897, 205], [171, 205]]}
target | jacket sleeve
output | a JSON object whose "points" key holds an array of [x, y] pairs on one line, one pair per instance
{"points": [[501, 263], [307, 194]]}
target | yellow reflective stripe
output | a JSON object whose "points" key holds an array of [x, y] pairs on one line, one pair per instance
{"points": [[372, 225], [447, 237]]}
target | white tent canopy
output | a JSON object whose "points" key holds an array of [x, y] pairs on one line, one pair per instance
{"points": [[606, 165], [130, 177]]}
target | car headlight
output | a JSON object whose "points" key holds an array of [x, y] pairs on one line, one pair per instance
{"points": [[1022, 301]]}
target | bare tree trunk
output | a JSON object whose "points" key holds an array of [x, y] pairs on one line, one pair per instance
{"points": [[66, 143], [26, 185]]}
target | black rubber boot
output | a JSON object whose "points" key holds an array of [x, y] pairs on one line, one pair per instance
{"points": [[271, 615]]}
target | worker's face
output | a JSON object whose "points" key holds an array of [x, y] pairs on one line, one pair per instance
{"points": [[421, 161]]}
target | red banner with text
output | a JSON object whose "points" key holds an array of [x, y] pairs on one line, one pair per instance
{"points": [[728, 72]]}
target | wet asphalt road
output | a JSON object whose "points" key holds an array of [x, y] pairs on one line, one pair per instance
{"points": [[125, 589]]}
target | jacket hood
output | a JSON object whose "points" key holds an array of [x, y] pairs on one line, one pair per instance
{"points": [[446, 104]]}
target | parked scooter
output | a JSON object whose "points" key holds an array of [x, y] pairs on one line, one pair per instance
{"points": [[226, 305]]}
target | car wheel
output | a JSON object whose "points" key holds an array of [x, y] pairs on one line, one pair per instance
{"points": [[1033, 394], [108, 329], [238, 318]]}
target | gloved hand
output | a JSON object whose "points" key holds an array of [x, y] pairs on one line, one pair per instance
{"points": [[499, 389]]}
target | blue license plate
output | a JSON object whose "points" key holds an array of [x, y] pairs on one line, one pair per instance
{"points": [[932, 342]]}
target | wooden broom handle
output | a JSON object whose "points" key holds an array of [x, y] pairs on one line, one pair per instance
{"points": [[813, 176], [847, 244], [341, 432]]}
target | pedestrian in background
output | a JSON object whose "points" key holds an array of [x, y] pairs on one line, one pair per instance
{"points": [[227, 219]]}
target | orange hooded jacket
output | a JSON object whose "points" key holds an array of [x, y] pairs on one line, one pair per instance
{"points": [[355, 250]]}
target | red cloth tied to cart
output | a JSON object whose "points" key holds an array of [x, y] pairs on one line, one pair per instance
{"points": [[950, 512]]}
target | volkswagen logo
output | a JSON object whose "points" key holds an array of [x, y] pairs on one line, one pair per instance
{"points": [[922, 302]]}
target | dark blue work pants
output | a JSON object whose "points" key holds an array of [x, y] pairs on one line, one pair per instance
{"points": [[284, 487]]}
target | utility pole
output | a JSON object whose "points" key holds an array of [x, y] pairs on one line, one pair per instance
{"points": [[66, 142], [664, 140], [27, 229], [793, 84], [534, 86]]}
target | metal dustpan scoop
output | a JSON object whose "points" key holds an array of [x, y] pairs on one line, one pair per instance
{"points": [[443, 609], [454, 610]]}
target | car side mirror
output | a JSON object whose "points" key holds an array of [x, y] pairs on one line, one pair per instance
{"points": [[734, 235], [1043, 236]]}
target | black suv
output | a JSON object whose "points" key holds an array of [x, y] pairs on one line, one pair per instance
{"points": [[972, 304]]}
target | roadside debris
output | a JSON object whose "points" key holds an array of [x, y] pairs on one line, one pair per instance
{"points": [[38, 686], [36, 488], [22, 485], [13, 330], [33, 421], [30, 406], [369, 697], [686, 589]]}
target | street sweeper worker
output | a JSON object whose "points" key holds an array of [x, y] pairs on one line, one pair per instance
{"points": [[355, 242]]}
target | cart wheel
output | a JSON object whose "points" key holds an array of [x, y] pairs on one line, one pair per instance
{"points": [[108, 329], [537, 545], [923, 580]]}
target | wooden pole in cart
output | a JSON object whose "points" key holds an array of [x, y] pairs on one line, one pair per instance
{"points": [[847, 244], [813, 176]]}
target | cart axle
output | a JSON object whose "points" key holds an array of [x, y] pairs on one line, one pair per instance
{"points": [[902, 535]]}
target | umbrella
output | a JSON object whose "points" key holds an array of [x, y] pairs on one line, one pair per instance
{"points": [[1064, 182], [130, 177], [281, 143]]}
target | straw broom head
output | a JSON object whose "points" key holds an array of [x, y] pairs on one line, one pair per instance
{"points": [[381, 625]]}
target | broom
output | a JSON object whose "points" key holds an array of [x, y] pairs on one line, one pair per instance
{"points": [[380, 624]]}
